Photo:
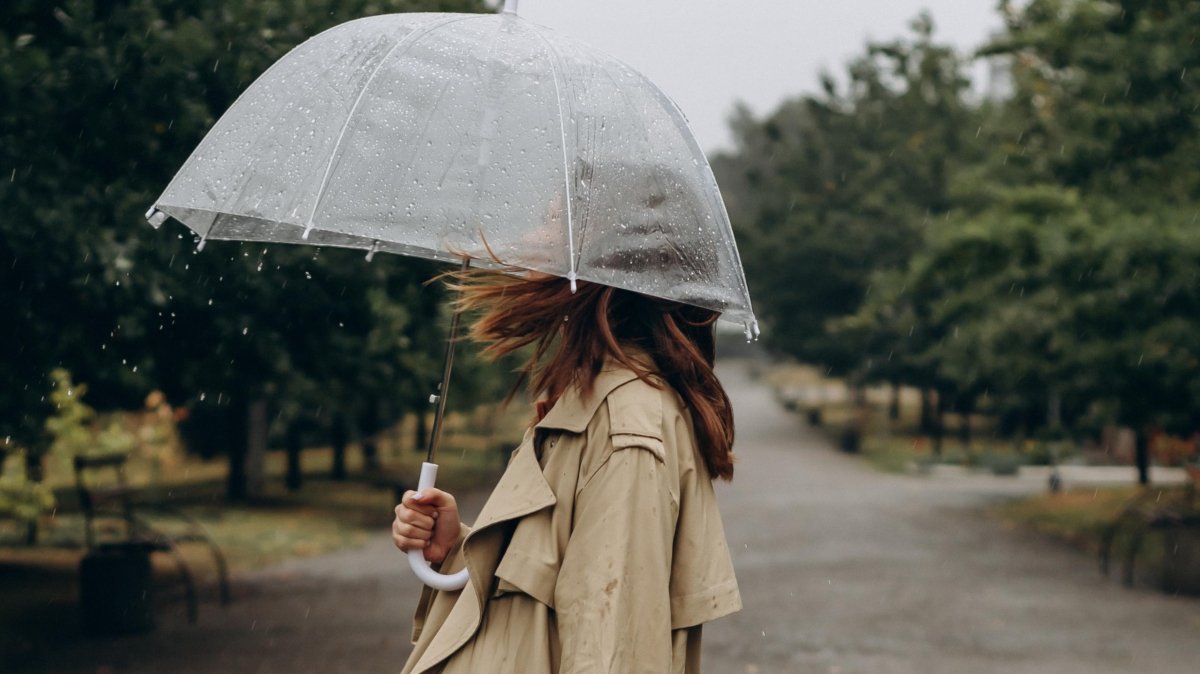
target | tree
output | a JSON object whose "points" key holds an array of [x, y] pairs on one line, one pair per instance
{"points": [[1105, 95], [1061, 317], [100, 102], [828, 189]]}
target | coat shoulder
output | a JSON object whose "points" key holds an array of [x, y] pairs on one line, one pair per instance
{"points": [[636, 408]]}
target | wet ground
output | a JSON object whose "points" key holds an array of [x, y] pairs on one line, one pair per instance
{"points": [[843, 570]]}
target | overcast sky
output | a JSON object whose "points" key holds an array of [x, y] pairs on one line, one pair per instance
{"points": [[707, 54]]}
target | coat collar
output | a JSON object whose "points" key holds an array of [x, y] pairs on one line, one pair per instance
{"points": [[575, 409]]}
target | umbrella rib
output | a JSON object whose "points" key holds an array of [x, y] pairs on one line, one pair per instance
{"points": [[220, 124], [407, 42], [562, 130]]}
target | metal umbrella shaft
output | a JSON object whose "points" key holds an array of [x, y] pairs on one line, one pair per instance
{"points": [[416, 558], [439, 397]]}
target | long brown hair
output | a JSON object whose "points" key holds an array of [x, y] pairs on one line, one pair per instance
{"points": [[574, 333]]}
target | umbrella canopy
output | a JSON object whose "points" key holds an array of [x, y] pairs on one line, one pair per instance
{"points": [[468, 135]]}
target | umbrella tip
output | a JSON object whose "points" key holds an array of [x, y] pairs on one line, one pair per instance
{"points": [[572, 278], [156, 217], [371, 253], [510, 7], [751, 331]]}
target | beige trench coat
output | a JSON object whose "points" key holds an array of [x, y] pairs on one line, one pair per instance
{"points": [[600, 550]]}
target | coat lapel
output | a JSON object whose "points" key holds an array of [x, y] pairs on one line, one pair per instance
{"points": [[521, 490]]}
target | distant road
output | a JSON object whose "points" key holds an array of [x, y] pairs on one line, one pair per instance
{"points": [[845, 570]]}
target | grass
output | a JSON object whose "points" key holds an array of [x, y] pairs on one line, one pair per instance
{"points": [[1080, 518], [897, 445], [39, 584], [1077, 517]]}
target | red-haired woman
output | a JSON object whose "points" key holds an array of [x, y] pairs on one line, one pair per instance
{"points": [[601, 548]]}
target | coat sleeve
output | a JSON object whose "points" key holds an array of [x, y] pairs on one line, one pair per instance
{"points": [[612, 596]]}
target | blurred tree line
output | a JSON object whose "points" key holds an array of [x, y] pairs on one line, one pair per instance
{"points": [[100, 102], [1032, 251]]}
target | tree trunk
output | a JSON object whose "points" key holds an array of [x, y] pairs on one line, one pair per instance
{"points": [[236, 487], [964, 431], [894, 405], [421, 437], [1142, 457], [257, 425], [34, 467], [34, 472], [928, 423], [1054, 410], [370, 443], [370, 450], [939, 424], [339, 437], [294, 478]]}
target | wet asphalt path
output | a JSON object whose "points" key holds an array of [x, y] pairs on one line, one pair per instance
{"points": [[843, 570]]}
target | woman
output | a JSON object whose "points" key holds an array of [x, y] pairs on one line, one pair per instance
{"points": [[601, 548]]}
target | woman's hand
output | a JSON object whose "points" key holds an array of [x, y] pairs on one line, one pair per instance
{"points": [[427, 521]]}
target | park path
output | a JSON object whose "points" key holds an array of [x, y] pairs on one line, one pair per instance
{"points": [[846, 570], [843, 570]]}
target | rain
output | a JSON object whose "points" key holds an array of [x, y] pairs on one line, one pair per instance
{"points": [[945, 254]]}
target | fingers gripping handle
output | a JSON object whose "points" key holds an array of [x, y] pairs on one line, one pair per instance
{"points": [[416, 558]]}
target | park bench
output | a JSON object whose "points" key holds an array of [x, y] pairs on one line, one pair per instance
{"points": [[1146, 513], [121, 540]]}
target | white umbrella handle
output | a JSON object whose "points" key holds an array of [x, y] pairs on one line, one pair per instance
{"points": [[416, 558]]}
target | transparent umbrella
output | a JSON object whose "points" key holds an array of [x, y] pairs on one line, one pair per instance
{"points": [[468, 136]]}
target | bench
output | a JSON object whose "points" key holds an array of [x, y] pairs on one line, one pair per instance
{"points": [[116, 528], [1146, 513]]}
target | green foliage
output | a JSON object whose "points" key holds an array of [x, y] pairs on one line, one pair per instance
{"points": [[100, 102], [1105, 95], [21, 498], [70, 425], [829, 188], [1033, 254], [74, 427]]}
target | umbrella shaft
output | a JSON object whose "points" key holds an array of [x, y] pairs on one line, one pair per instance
{"points": [[435, 435]]}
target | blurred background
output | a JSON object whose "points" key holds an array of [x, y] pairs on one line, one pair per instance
{"points": [[971, 230]]}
